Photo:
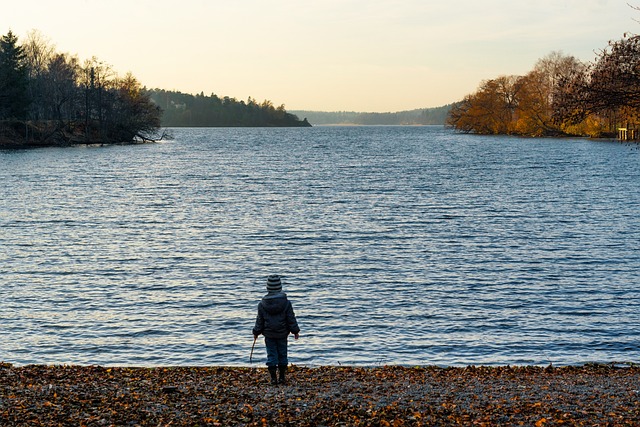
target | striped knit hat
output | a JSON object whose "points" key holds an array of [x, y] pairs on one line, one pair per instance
{"points": [[273, 283]]}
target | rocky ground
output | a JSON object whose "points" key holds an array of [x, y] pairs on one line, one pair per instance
{"points": [[590, 395]]}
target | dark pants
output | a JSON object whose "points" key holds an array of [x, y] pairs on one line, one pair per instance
{"points": [[276, 351]]}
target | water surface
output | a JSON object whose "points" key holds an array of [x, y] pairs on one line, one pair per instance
{"points": [[398, 245]]}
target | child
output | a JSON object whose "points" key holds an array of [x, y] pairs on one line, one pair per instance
{"points": [[275, 321]]}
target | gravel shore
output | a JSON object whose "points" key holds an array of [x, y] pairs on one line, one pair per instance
{"points": [[589, 395]]}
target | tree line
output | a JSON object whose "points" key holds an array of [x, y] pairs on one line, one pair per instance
{"points": [[52, 98], [186, 110], [560, 96], [423, 116]]}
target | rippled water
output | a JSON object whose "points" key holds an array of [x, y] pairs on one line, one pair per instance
{"points": [[399, 245]]}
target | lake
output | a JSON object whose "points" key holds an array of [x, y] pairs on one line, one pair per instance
{"points": [[397, 245]]}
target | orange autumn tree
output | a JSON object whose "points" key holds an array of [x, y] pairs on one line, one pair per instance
{"points": [[490, 110], [515, 105], [536, 96]]}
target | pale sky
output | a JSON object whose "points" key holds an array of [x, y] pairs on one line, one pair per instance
{"points": [[328, 55]]}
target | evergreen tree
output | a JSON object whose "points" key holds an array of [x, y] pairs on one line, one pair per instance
{"points": [[14, 100]]}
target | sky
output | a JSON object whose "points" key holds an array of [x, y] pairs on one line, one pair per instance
{"points": [[324, 55]]}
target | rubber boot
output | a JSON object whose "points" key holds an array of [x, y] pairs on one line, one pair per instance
{"points": [[283, 371], [272, 372]]}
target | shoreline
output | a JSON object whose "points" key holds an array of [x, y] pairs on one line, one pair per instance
{"points": [[591, 394]]}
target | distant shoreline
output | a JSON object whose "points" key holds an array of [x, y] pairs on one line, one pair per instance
{"points": [[421, 116]]}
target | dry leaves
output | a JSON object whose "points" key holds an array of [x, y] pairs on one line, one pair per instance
{"points": [[322, 396]]}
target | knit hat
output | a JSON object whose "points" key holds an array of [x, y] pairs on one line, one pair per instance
{"points": [[273, 283]]}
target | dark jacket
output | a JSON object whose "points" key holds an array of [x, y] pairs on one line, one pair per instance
{"points": [[276, 318]]}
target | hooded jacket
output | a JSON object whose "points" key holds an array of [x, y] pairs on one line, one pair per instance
{"points": [[276, 318]]}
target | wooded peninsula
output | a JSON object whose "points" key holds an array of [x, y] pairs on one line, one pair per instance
{"points": [[186, 110], [49, 98], [561, 96]]}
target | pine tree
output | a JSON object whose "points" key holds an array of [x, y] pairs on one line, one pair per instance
{"points": [[14, 100]]}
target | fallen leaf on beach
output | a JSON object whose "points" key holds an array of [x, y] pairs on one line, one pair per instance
{"points": [[395, 396]]}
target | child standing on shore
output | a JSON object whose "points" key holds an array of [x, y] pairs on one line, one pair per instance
{"points": [[276, 320]]}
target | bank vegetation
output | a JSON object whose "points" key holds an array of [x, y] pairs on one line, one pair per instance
{"points": [[560, 96], [48, 98], [52, 98]]}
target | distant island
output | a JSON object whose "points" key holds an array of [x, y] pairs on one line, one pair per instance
{"points": [[423, 116]]}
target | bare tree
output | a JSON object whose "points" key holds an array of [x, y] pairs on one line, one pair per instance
{"points": [[610, 87], [38, 53]]}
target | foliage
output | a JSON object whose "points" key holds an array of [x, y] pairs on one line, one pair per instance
{"points": [[560, 96], [615, 77], [609, 89], [515, 105], [323, 396], [55, 100], [491, 110], [181, 109], [537, 94]]}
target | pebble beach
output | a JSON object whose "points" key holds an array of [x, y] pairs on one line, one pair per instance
{"points": [[61, 395]]}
